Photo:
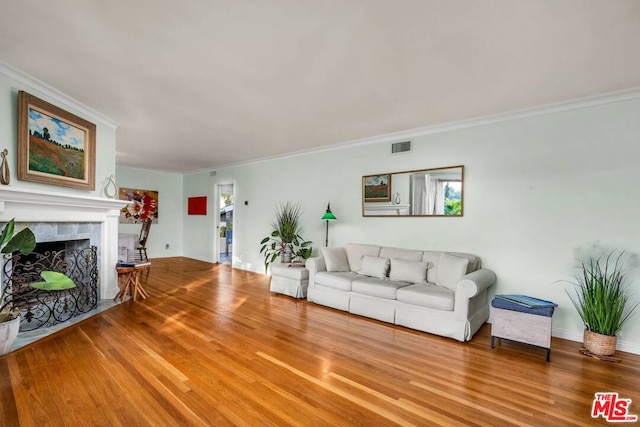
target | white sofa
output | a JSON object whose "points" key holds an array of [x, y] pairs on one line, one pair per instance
{"points": [[443, 293]]}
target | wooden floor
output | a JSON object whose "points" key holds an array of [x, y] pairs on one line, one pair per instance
{"points": [[212, 346]]}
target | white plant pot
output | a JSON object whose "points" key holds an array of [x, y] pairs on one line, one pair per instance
{"points": [[8, 334]]}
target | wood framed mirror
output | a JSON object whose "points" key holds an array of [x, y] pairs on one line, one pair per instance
{"points": [[415, 193]]}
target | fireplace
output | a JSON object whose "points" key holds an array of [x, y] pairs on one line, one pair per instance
{"points": [[69, 216], [40, 308], [20, 270]]}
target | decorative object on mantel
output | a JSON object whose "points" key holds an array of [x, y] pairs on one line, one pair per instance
{"points": [[111, 183], [54, 146], [328, 216], [285, 240], [602, 298], [5, 175], [145, 205], [396, 199]]}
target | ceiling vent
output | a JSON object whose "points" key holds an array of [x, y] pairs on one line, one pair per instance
{"points": [[401, 147]]}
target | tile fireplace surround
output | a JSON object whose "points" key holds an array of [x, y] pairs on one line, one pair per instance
{"points": [[66, 211]]}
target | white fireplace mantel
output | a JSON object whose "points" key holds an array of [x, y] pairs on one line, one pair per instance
{"points": [[27, 206], [37, 205]]}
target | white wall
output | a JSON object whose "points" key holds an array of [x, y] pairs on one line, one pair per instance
{"points": [[200, 237], [537, 190], [12, 81], [170, 224]]}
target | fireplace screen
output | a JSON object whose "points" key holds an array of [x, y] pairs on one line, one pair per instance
{"points": [[39, 308]]}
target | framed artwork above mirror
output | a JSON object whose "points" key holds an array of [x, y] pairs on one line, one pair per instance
{"points": [[415, 193]]}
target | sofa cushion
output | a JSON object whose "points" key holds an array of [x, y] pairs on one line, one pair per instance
{"points": [[408, 271], [450, 270], [406, 254], [374, 266], [295, 273], [335, 259], [340, 280], [431, 258], [474, 261], [356, 251], [428, 295], [377, 287]]}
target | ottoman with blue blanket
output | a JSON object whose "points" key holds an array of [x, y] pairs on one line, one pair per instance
{"points": [[522, 319]]}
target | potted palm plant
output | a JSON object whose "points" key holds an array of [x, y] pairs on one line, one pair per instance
{"points": [[602, 298], [24, 242], [285, 240]]}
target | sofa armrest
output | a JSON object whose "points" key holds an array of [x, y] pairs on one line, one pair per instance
{"points": [[470, 286], [314, 265], [474, 283]]}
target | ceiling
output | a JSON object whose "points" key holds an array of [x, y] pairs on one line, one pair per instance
{"points": [[198, 84]]}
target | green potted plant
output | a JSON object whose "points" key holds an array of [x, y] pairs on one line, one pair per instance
{"points": [[285, 240], [602, 298], [23, 242]]}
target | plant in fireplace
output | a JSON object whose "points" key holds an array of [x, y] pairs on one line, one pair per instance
{"points": [[22, 244]]}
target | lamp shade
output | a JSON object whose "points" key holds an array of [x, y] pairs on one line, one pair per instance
{"points": [[328, 215]]}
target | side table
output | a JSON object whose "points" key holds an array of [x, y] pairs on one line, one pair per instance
{"points": [[288, 279], [130, 284], [519, 323]]}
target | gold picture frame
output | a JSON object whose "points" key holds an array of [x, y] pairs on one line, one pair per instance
{"points": [[55, 146], [376, 188]]}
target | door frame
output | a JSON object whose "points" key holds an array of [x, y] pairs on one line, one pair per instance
{"points": [[216, 222]]}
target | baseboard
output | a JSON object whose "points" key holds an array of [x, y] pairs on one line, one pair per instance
{"points": [[626, 346]]}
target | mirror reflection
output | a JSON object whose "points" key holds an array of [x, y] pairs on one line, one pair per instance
{"points": [[423, 192]]}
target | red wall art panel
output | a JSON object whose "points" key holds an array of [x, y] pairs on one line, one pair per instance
{"points": [[197, 205]]}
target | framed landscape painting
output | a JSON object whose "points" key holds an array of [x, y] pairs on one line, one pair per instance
{"points": [[54, 146], [376, 188]]}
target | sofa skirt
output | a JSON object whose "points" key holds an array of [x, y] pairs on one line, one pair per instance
{"points": [[433, 321], [373, 307], [329, 297]]}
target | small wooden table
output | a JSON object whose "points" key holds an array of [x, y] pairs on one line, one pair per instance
{"points": [[131, 285]]}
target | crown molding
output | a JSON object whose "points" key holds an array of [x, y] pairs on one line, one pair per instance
{"points": [[557, 107], [59, 98]]}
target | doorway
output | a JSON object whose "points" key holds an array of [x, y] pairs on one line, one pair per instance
{"points": [[225, 223]]}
